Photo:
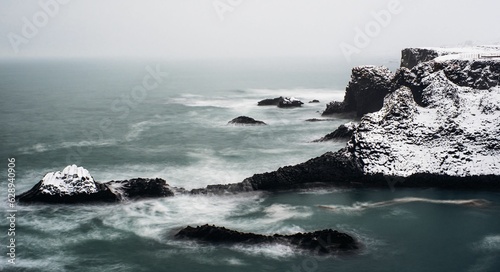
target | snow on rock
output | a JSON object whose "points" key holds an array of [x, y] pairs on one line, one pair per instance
{"points": [[410, 57], [456, 134], [72, 180]]}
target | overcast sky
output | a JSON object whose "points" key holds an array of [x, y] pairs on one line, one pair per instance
{"points": [[239, 28]]}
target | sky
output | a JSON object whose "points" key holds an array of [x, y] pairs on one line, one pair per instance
{"points": [[197, 29]]}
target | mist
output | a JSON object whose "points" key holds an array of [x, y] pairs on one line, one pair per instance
{"points": [[219, 29]]}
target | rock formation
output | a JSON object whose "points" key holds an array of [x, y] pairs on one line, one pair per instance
{"points": [[281, 102], [245, 120], [324, 241], [365, 92], [439, 126], [75, 185]]}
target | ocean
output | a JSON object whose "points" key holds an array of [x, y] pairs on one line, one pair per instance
{"points": [[123, 119]]}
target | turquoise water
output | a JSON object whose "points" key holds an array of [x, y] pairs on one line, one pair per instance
{"points": [[90, 113]]}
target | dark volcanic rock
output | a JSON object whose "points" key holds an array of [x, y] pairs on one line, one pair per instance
{"points": [[410, 57], [245, 120], [314, 101], [141, 188], [343, 132], [323, 241], [365, 92], [270, 101]]}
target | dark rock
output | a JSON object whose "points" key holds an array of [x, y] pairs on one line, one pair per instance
{"points": [[343, 132], [320, 120], [270, 101], [314, 101], [324, 241], [410, 57], [365, 92], [281, 102], [141, 188], [244, 120], [334, 107]]}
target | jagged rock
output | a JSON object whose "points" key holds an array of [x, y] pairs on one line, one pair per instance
{"points": [[410, 57], [141, 188], [245, 120], [289, 102], [365, 92], [324, 241], [75, 185], [334, 107], [343, 132]]}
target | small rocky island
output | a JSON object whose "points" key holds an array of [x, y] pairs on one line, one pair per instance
{"points": [[75, 185]]}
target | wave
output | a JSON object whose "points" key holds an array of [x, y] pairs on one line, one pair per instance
{"points": [[361, 206], [44, 147]]}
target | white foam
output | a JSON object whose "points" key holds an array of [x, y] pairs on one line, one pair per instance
{"points": [[491, 243]]}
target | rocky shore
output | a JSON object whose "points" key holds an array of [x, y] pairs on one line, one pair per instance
{"points": [[323, 242], [433, 123]]}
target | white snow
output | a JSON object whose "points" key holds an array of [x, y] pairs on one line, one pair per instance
{"points": [[72, 180], [457, 134]]}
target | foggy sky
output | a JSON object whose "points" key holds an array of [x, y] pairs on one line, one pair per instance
{"points": [[247, 29]]}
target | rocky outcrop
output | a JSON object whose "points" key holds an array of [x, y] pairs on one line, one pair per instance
{"points": [[314, 101], [141, 188], [343, 132], [410, 57], [365, 92], [75, 185], [245, 120], [323, 242], [281, 102]]}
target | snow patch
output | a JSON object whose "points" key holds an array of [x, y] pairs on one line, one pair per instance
{"points": [[72, 180]]}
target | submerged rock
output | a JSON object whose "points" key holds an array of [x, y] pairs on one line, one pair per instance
{"points": [[245, 120], [324, 241], [314, 101], [320, 120]]}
